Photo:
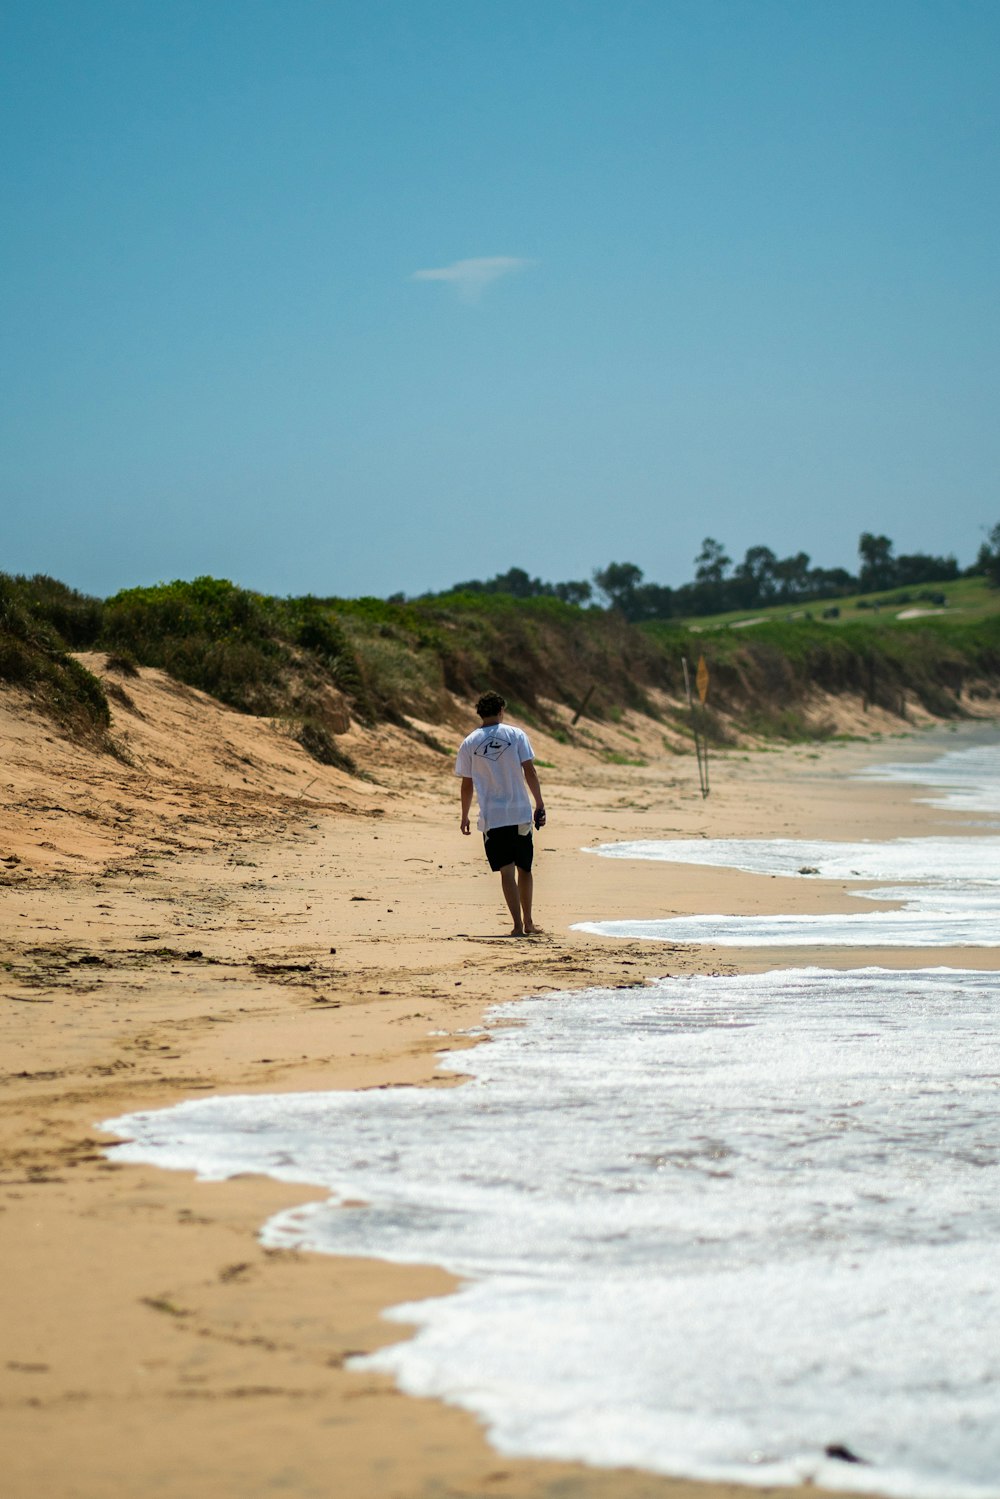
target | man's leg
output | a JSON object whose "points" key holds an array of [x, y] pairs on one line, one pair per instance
{"points": [[525, 890], [509, 881]]}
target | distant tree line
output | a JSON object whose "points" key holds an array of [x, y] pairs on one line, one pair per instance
{"points": [[761, 579], [516, 582]]}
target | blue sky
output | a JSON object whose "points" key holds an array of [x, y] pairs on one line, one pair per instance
{"points": [[357, 296]]}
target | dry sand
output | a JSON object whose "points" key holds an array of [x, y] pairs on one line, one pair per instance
{"points": [[223, 914]]}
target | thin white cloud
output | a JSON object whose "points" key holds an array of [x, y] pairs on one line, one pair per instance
{"points": [[470, 278]]}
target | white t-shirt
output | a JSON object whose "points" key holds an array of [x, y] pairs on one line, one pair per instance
{"points": [[493, 756]]}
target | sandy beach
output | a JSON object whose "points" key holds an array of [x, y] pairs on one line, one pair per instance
{"points": [[214, 911]]}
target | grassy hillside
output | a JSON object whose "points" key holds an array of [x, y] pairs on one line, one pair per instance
{"points": [[318, 663], [972, 596], [763, 677]]}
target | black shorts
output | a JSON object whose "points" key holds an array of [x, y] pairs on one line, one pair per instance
{"points": [[507, 846]]}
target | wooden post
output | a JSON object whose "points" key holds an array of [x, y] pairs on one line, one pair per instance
{"points": [[587, 696], [702, 679], [702, 765]]}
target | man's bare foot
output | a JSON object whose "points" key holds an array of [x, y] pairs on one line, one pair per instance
{"points": [[531, 930], [518, 931]]}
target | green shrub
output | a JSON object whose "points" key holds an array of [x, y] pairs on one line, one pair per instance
{"points": [[74, 618], [318, 743], [255, 653], [33, 657]]}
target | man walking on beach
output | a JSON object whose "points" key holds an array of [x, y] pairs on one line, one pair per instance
{"points": [[498, 762]]}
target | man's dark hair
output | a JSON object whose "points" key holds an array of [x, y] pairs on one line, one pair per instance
{"points": [[490, 704]]}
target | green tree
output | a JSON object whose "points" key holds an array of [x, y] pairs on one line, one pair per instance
{"points": [[621, 584], [878, 570], [988, 560], [574, 592], [755, 577], [711, 562], [792, 574], [618, 582], [921, 567], [824, 581]]}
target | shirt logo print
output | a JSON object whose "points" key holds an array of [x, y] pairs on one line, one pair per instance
{"points": [[492, 749]]}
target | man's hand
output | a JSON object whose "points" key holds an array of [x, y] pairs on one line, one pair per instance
{"points": [[539, 817], [466, 829]]}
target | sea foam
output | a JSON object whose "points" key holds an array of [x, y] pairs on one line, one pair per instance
{"points": [[713, 1226], [966, 780], [948, 888]]}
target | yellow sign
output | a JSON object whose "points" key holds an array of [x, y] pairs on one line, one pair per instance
{"points": [[702, 679]]}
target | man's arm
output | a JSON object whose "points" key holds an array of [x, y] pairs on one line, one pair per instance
{"points": [[466, 803], [531, 778]]}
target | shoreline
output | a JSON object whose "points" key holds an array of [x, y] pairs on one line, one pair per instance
{"points": [[204, 1363]]}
